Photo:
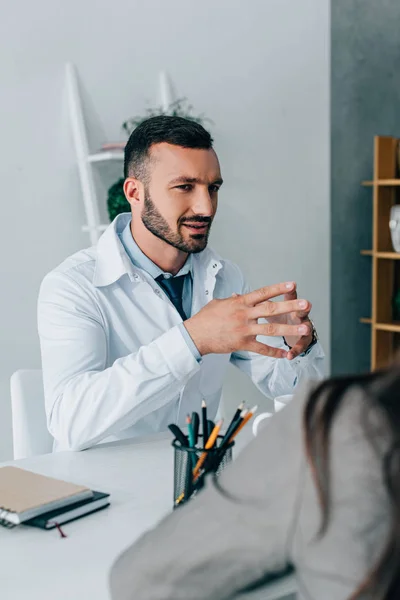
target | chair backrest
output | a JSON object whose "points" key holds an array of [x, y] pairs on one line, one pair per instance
{"points": [[30, 433]]}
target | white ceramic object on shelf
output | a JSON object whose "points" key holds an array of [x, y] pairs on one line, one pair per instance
{"points": [[394, 225]]}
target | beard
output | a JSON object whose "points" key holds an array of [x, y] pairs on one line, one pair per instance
{"points": [[154, 221]]}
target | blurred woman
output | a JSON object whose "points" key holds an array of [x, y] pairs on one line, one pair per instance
{"points": [[318, 490]]}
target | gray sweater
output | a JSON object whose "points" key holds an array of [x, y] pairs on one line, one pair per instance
{"points": [[214, 547]]}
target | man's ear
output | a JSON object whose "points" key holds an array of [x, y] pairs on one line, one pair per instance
{"points": [[134, 191]]}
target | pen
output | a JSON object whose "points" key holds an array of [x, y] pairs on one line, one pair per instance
{"points": [[205, 426], [192, 444], [178, 433], [210, 442], [195, 425]]}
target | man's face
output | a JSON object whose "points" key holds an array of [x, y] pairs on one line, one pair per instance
{"points": [[182, 195]]}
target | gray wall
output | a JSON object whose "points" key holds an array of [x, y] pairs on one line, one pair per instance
{"points": [[365, 102], [260, 70]]}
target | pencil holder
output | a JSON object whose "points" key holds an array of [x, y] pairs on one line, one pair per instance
{"points": [[186, 484]]}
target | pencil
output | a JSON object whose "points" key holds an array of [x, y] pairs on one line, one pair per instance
{"points": [[205, 426], [210, 443], [232, 428], [236, 415], [245, 416], [190, 432], [246, 419], [180, 498], [210, 427]]}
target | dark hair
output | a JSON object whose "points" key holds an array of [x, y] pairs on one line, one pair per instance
{"points": [[156, 130], [382, 391]]}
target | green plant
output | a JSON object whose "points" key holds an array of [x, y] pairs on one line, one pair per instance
{"points": [[116, 201], [178, 108]]}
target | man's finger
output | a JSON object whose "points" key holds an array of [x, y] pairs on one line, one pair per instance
{"points": [[264, 310], [304, 314], [292, 295], [266, 350], [299, 348], [268, 292], [280, 330]]}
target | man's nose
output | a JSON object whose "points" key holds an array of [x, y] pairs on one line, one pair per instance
{"points": [[203, 204]]}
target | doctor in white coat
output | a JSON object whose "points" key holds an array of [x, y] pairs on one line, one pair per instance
{"points": [[137, 330]]}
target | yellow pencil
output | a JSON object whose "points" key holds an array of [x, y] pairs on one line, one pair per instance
{"points": [[179, 499], [210, 443], [243, 423]]}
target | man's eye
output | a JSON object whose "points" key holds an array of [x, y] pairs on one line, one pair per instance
{"points": [[186, 187], [214, 188]]}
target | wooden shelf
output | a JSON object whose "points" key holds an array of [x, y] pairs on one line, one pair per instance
{"points": [[382, 183], [385, 255], [384, 266], [393, 327]]}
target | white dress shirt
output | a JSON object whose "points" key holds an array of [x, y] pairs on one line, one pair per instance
{"points": [[141, 261], [115, 362]]}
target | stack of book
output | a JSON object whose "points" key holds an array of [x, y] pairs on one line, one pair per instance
{"points": [[31, 499]]}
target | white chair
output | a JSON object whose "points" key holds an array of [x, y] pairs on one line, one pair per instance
{"points": [[30, 433]]}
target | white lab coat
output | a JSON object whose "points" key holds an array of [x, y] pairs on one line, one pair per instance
{"points": [[115, 364]]}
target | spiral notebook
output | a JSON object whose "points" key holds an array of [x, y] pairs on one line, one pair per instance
{"points": [[25, 495], [54, 518]]}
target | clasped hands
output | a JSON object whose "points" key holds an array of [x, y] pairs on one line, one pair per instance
{"points": [[232, 324]]}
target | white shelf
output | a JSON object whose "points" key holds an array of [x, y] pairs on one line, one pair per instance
{"points": [[105, 156], [86, 160], [101, 227]]}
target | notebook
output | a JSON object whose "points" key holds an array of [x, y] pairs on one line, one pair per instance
{"points": [[51, 519], [25, 495]]}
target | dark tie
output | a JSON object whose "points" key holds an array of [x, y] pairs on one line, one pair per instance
{"points": [[173, 287]]}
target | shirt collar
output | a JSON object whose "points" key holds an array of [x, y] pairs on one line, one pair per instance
{"points": [[113, 261], [141, 261]]}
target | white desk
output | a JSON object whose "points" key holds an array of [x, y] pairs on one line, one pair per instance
{"points": [[40, 565]]}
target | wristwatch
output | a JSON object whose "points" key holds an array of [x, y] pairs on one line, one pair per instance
{"points": [[314, 339]]}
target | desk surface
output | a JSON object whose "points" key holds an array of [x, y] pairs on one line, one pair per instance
{"points": [[40, 565]]}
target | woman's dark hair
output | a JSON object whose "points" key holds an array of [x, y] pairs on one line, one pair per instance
{"points": [[156, 130], [383, 582]]}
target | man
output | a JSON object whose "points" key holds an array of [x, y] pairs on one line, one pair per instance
{"points": [[136, 331]]}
